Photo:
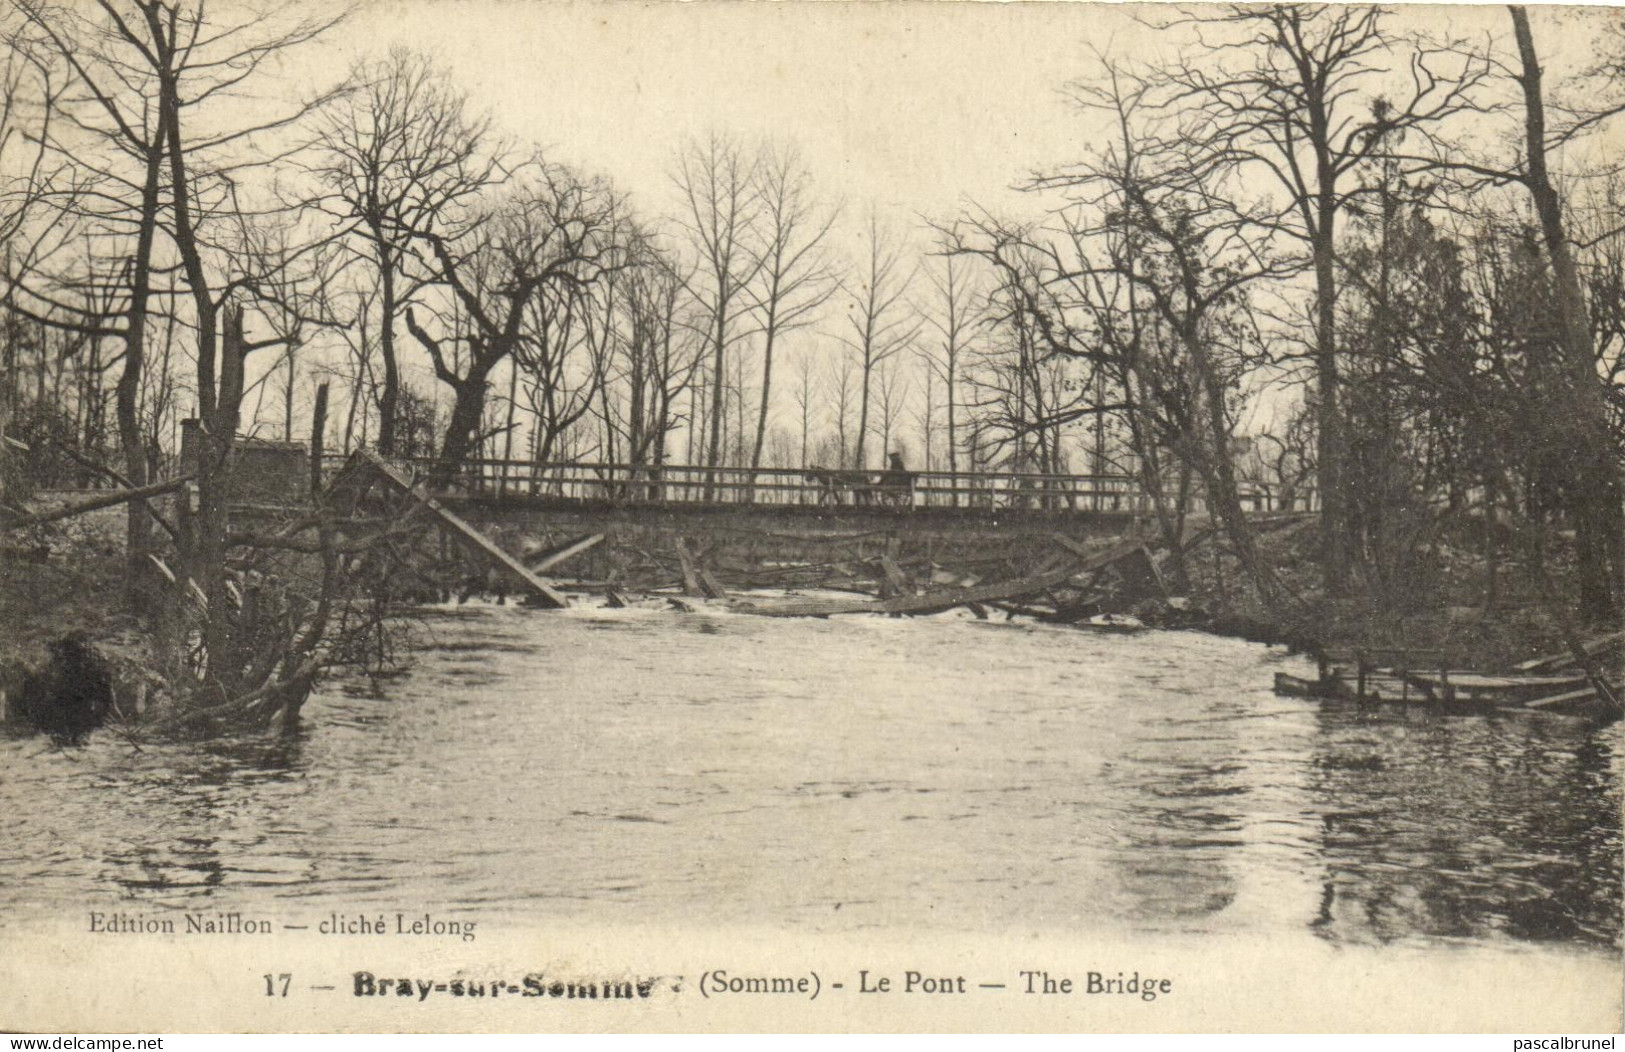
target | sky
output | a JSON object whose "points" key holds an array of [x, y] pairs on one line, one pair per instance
{"points": [[919, 109], [918, 106], [912, 105]]}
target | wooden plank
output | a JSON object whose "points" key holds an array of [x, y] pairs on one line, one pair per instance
{"points": [[163, 568], [539, 588], [1567, 656], [553, 556], [1474, 681], [1071, 545], [930, 602], [711, 586], [1101, 559], [1584, 694], [946, 599]]}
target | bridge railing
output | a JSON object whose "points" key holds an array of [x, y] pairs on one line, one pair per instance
{"points": [[695, 484]]}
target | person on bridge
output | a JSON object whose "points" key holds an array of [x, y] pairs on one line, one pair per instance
{"points": [[897, 482]]}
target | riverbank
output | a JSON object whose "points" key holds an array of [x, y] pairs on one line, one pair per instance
{"points": [[1467, 607], [63, 585]]}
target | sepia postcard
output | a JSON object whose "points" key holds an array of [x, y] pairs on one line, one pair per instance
{"points": [[809, 517]]}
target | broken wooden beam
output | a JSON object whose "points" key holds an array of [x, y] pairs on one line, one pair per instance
{"points": [[711, 586], [1566, 656], [698, 582], [543, 592], [113, 499], [553, 556], [1587, 693], [945, 599]]}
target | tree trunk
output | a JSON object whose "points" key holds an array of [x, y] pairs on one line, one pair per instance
{"points": [[1581, 435], [767, 380], [1328, 409], [127, 395], [216, 456], [713, 455], [389, 401], [468, 410], [1218, 473], [953, 431], [858, 457]]}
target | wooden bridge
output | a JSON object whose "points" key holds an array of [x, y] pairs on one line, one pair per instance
{"points": [[893, 491]]}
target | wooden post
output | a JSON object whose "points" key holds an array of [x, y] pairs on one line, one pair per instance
{"points": [[318, 425], [691, 580]]}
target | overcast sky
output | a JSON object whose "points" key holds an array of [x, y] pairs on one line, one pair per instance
{"points": [[921, 108], [914, 105]]}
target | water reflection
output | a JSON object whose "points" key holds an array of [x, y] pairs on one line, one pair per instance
{"points": [[1502, 826]]}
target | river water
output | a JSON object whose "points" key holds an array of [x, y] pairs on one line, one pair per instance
{"points": [[841, 776]]}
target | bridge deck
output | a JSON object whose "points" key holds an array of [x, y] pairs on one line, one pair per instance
{"points": [[524, 482]]}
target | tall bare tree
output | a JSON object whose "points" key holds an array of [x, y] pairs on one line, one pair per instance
{"points": [[1304, 95], [400, 151], [720, 204], [881, 322], [953, 315], [545, 236], [109, 185], [795, 277]]}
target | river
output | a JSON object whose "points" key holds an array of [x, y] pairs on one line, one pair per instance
{"points": [[842, 776]]}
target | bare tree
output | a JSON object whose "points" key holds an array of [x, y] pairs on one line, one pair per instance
{"points": [[1583, 437], [1147, 277], [1577, 444], [795, 277], [721, 201], [806, 395], [661, 355], [954, 317], [840, 386], [881, 321], [1302, 95], [545, 237], [891, 391], [117, 144], [1025, 394], [400, 151]]}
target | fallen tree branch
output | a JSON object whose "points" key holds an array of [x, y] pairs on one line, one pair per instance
{"points": [[108, 473], [95, 504]]}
